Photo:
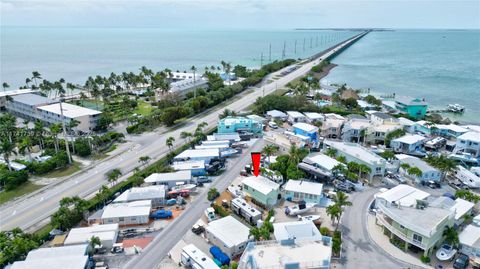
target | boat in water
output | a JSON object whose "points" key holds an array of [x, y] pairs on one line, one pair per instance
{"points": [[456, 108]]}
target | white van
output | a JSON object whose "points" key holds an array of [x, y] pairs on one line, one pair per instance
{"points": [[272, 125]]}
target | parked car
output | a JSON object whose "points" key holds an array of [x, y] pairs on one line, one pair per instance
{"points": [[461, 262], [272, 125], [198, 229], [432, 184], [345, 187], [171, 202], [117, 248], [203, 179], [162, 214]]}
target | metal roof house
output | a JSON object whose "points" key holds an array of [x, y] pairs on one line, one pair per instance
{"points": [[414, 107], [72, 257], [262, 190], [107, 233], [205, 155], [276, 114], [170, 179], [298, 190], [428, 171], [197, 168], [137, 212], [318, 165], [305, 129], [469, 239], [156, 194], [295, 116], [229, 234], [408, 144]]}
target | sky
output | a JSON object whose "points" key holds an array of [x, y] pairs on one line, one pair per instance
{"points": [[226, 14]]}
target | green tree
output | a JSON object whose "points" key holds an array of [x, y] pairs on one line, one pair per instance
{"points": [[392, 135], [5, 86], [414, 171], [388, 154], [113, 175], [212, 194], [7, 149], [341, 159], [93, 242], [144, 160], [169, 142], [331, 152], [270, 150], [55, 129], [334, 211], [104, 194], [451, 236], [405, 166], [340, 201], [26, 146], [186, 135]]}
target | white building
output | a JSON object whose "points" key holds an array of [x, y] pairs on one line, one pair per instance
{"points": [[177, 76], [25, 105], [296, 230], [197, 168], [185, 86], [450, 130], [4, 94], [295, 116], [313, 117], [276, 115], [377, 133], [403, 195], [229, 234], [156, 194], [356, 153], [71, 257], [192, 257], [107, 233], [170, 179], [301, 254], [198, 154], [469, 239], [408, 143], [354, 130], [461, 208], [331, 127], [319, 165], [299, 190], [408, 125], [379, 118], [87, 118], [469, 143], [137, 212], [428, 172]]}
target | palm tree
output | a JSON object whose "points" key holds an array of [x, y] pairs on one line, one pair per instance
{"points": [[7, 148], [334, 211], [169, 142], [363, 168], [255, 232], [144, 160], [38, 131], [186, 135], [5, 86], [194, 69], [451, 236], [83, 97], [414, 171], [94, 241], [113, 175], [103, 194], [341, 200], [55, 129], [35, 76], [71, 87], [26, 146], [405, 166], [27, 82], [342, 159], [331, 152], [270, 150], [72, 124]]}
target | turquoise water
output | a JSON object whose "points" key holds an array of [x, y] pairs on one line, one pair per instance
{"points": [[76, 53], [441, 66]]}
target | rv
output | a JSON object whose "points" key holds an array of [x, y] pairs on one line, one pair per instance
{"points": [[467, 177], [210, 213], [243, 209]]}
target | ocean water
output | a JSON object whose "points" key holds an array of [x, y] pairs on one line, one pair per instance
{"points": [[76, 53], [439, 65]]}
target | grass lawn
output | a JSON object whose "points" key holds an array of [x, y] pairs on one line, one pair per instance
{"points": [[143, 108], [64, 171], [28, 187]]}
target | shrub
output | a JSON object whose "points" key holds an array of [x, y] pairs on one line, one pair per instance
{"points": [[425, 259], [220, 210], [82, 148], [325, 231], [12, 179]]}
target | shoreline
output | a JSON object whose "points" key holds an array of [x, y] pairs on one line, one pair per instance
{"points": [[325, 71]]}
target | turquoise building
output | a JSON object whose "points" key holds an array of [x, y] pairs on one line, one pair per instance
{"points": [[236, 124], [414, 107]]}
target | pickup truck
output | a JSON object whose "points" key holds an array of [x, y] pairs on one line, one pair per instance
{"points": [[161, 214]]}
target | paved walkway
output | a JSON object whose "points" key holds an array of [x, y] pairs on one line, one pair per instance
{"points": [[376, 234]]}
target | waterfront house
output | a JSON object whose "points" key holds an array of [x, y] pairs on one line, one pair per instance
{"points": [[354, 130], [318, 166], [305, 129], [291, 253], [468, 143], [276, 115], [295, 116], [448, 130], [414, 107], [429, 173], [229, 234], [408, 144], [300, 190], [237, 124], [379, 118], [356, 153], [262, 190], [420, 227]]}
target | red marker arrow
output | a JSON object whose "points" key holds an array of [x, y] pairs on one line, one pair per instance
{"points": [[256, 163]]}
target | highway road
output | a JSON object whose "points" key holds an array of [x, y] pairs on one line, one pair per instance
{"points": [[169, 237], [31, 211]]}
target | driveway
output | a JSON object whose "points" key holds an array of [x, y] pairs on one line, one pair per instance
{"points": [[359, 251]]}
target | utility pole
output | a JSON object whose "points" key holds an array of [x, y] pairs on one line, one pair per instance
{"points": [[270, 53], [67, 147]]}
